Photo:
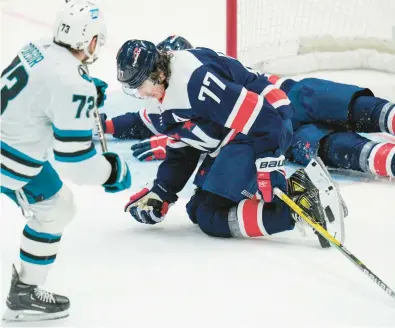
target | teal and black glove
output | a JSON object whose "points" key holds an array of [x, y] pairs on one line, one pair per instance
{"points": [[120, 177], [101, 87]]}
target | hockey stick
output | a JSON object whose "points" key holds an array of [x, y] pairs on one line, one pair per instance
{"points": [[334, 242], [100, 131], [96, 115]]}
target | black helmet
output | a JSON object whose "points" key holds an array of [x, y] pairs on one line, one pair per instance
{"points": [[174, 42], [135, 62]]}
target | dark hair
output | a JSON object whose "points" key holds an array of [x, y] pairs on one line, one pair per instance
{"points": [[162, 65]]}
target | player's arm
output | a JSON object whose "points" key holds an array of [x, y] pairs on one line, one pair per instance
{"points": [[126, 126], [151, 204], [180, 163], [74, 152], [136, 125]]}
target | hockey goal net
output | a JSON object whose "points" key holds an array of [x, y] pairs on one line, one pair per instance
{"points": [[290, 37]]}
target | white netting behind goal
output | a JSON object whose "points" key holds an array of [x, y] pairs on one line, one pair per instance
{"points": [[293, 36]]}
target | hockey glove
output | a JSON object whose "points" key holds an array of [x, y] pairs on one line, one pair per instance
{"points": [[149, 205], [270, 174], [150, 149], [101, 87], [120, 177], [103, 118]]}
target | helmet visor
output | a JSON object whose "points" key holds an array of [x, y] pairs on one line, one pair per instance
{"points": [[134, 92]]}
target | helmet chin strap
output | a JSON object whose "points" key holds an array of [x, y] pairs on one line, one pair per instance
{"points": [[91, 57], [94, 56]]}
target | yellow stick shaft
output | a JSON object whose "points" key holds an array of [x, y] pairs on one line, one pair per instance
{"points": [[324, 233]]}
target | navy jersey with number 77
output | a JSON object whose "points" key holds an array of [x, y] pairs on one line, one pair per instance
{"points": [[212, 99], [218, 94]]}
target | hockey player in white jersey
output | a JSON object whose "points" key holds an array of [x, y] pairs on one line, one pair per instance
{"points": [[47, 98]]}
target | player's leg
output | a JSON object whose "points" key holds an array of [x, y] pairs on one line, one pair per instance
{"points": [[51, 206], [230, 179], [347, 107], [372, 114], [220, 217], [323, 101], [306, 143], [222, 210], [349, 150], [199, 194]]}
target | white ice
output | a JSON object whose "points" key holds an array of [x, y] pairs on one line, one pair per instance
{"points": [[118, 272]]}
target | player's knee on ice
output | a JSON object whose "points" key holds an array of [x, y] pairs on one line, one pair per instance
{"points": [[221, 217], [212, 215], [197, 198]]}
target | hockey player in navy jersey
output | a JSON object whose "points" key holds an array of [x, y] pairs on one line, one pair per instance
{"points": [[327, 119], [211, 104], [47, 98]]}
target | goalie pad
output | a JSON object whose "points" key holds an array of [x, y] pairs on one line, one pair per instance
{"points": [[335, 208]]}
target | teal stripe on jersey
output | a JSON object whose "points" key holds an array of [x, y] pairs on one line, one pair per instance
{"points": [[42, 235], [19, 154], [14, 175]]}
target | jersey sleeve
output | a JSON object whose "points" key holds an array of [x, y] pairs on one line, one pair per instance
{"points": [[180, 163], [146, 121], [72, 122], [130, 126], [256, 108]]}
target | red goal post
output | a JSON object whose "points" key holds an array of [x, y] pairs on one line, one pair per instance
{"points": [[289, 37]]}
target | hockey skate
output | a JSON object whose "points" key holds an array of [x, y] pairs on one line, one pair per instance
{"points": [[326, 203], [31, 303]]}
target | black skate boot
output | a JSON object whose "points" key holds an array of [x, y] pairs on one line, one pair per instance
{"points": [[31, 303], [310, 203]]}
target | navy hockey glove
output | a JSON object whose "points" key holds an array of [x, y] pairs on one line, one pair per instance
{"points": [[101, 87], [120, 177], [150, 206], [270, 174], [150, 149]]}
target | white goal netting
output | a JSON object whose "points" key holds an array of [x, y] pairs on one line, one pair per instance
{"points": [[297, 36]]}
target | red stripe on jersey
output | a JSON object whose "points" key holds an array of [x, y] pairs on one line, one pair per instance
{"points": [[250, 218], [380, 159], [273, 79], [274, 96], [393, 122], [245, 111], [146, 116]]}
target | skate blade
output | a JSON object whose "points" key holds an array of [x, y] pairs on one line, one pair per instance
{"points": [[30, 316]]}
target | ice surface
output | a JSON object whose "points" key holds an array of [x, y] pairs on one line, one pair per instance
{"points": [[119, 272]]}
